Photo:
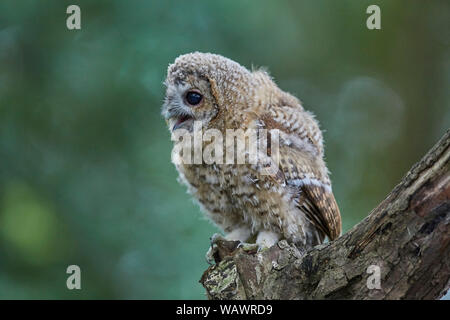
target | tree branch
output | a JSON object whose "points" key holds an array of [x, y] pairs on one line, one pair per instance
{"points": [[407, 236]]}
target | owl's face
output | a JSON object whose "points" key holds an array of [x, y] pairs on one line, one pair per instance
{"points": [[202, 85], [188, 99]]}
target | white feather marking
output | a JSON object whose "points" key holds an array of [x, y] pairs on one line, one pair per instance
{"points": [[309, 181]]}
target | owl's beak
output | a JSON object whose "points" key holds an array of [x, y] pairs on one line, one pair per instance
{"points": [[176, 114], [180, 121]]}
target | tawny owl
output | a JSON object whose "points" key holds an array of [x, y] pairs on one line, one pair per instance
{"points": [[295, 202]]}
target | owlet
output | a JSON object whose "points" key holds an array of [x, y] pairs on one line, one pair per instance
{"points": [[250, 204]]}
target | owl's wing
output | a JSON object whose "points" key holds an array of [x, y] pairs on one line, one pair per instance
{"points": [[301, 165], [315, 197]]}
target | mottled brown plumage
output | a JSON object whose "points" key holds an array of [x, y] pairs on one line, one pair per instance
{"points": [[296, 203]]}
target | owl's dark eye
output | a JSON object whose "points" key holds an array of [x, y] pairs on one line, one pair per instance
{"points": [[193, 98]]}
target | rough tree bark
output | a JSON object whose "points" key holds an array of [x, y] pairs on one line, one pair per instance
{"points": [[407, 236]]}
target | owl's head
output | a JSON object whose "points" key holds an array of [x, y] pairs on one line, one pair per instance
{"points": [[200, 86]]}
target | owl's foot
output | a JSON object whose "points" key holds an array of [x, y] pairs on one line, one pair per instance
{"points": [[266, 239], [251, 247], [220, 247], [223, 246], [213, 249]]}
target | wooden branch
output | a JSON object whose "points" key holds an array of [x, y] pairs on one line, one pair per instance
{"points": [[406, 236]]}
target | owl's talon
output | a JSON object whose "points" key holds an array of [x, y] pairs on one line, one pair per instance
{"points": [[262, 248], [211, 253], [213, 249], [249, 247]]}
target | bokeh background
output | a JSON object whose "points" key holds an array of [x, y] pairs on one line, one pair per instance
{"points": [[85, 172]]}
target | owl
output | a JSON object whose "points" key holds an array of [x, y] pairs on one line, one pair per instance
{"points": [[295, 201]]}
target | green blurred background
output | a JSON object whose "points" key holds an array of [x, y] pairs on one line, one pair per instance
{"points": [[85, 172]]}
